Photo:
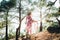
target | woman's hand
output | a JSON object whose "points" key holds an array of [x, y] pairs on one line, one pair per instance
{"points": [[34, 21]]}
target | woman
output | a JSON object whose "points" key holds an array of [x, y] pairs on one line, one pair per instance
{"points": [[29, 23]]}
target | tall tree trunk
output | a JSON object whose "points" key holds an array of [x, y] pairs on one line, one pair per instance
{"points": [[7, 25], [19, 16], [40, 21]]}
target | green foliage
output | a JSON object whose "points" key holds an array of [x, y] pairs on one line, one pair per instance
{"points": [[7, 5], [54, 24], [53, 15], [30, 1], [9, 37], [2, 24], [11, 3], [51, 3], [12, 36]]}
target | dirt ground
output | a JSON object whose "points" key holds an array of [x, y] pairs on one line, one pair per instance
{"points": [[45, 35]]}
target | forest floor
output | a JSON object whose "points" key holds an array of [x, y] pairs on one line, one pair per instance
{"points": [[49, 34], [45, 36]]}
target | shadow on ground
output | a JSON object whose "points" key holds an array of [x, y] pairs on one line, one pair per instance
{"points": [[53, 29]]}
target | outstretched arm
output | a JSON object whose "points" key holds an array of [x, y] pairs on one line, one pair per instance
{"points": [[34, 21]]}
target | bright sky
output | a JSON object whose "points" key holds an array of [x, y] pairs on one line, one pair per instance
{"points": [[0, 0], [6, 0]]}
